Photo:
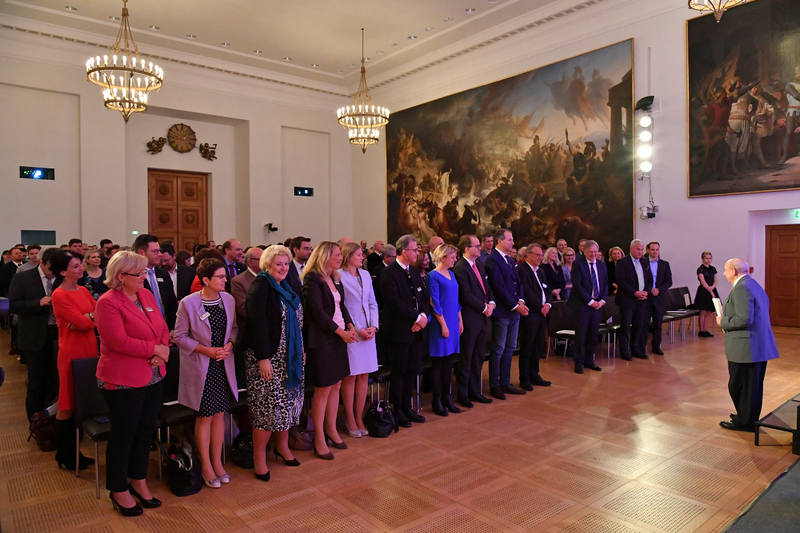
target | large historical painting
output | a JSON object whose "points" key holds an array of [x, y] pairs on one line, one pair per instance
{"points": [[546, 153], [744, 99]]}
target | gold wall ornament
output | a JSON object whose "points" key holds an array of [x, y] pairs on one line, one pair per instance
{"points": [[156, 145], [208, 151], [181, 138]]}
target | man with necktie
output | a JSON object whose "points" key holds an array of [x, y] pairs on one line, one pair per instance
{"points": [[533, 327], [232, 253], [586, 301], [477, 304], [634, 279], [157, 279], [658, 297], [504, 280], [301, 251]]}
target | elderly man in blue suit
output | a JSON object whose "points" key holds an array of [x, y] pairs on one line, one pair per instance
{"points": [[586, 301], [749, 344]]}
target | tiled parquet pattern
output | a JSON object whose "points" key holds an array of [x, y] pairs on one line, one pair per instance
{"points": [[635, 448]]}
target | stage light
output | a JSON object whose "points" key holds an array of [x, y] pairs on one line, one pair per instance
{"points": [[644, 145], [646, 122], [646, 137], [646, 167], [645, 152]]}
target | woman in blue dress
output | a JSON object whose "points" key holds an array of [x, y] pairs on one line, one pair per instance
{"points": [[446, 329]]}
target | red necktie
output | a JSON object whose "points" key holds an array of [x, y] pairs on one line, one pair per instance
{"points": [[477, 273], [233, 270]]}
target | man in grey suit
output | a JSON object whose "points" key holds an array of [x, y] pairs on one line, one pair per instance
{"points": [[749, 344]]}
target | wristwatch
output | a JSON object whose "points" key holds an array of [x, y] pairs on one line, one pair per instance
{"points": [[91, 315]]}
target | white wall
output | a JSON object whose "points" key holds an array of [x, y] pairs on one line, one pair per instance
{"points": [[684, 226]]}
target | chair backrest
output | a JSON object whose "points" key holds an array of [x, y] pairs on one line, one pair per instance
{"points": [[560, 318], [172, 377], [89, 400], [686, 297], [4, 307], [675, 302], [611, 310]]}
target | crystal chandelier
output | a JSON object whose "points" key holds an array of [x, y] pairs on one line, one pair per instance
{"points": [[717, 7], [125, 77], [362, 119]]}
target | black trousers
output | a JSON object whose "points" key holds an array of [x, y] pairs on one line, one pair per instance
{"points": [[406, 361], [587, 325], [442, 368], [532, 333], [470, 364], [746, 387], [133, 414], [42, 388], [633, 332], [656, 312]]}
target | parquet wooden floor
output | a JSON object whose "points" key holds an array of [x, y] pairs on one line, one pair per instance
{"points": [[634, 448]]}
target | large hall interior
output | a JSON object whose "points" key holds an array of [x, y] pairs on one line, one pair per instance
{"points": [[612, 122]]}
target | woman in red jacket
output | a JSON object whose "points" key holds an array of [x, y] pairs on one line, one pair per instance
{"points": [[133, 350], [73, 307]]}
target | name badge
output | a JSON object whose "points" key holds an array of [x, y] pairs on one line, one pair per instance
{"points": [[204, 316], [419, 289], [150, 309], [160, 280]]}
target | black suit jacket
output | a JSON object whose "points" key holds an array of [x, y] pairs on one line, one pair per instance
{"points": [[581, 293], [264, 322], [167, 293], [628, 282], [662, 282], [373, 259], [375, 273], [24, 295], [240, 267], [318, 307], [184, 280], [403, 302], [533, 291], [293, 277], [471, 296], [7, 272]]}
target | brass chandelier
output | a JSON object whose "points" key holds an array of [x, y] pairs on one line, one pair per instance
{"points": [[363, 119], [125, 77], [717, 7]]}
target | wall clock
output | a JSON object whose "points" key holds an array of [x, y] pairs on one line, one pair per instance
{"points": [[181, 138]]}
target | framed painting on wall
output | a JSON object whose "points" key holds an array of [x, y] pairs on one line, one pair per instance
{"points": [[744, 100], [546, 153]]}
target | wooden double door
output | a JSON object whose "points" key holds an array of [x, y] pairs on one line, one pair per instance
{"points": [[783, 274], [178, 207]]}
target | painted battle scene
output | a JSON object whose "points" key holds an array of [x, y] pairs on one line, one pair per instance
{"points": [[546, 153], [744, 99]]}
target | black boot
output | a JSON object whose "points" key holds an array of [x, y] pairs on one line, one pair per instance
{"points": [[447, 402], [437, 406], [65, 438]]}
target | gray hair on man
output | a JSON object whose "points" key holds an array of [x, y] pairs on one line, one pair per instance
{"points": [[739, 266], [589, 243], [249, 254], [404, 242], [636, 242], [389, 250]]}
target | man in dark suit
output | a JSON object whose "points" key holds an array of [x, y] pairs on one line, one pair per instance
{"points": [[634, 281], [8, 270], [749, 344], [658, 297], [157, 278], [29, 299], [533, 326], [586, 301], [504, 280], [376, 256], [301, 251], [232, 254], [389, 257], [181, 276], [239, 287], [407, 308], [477, 304]]}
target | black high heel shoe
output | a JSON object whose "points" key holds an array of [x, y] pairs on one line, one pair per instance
{"points": [[327, 456], [152, 503], [263, 477], [337, 445], [126, 511], [293, 462]]}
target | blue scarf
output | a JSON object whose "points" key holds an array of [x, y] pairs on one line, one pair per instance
{"points": [[294, 337]]}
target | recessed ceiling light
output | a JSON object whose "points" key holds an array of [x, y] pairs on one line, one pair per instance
{"points": [[379, 52], [339, 71], [314, 65], [448, 19], [155, 28], [70, 8], [353, 65], [225, 44], [114, 17], [470, 10], [429, 28], [191, 36], [412, 37], [492, 1], [287, 58], [256, 51], [366, 59], [395, 45]]}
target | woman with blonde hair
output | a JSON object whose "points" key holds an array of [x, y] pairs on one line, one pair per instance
{"points": [[567, 258], [553, 274], [443, 338], [328, 330], [363, 355], [275, 358], [615, 253], [94, 276], [706, 292]]}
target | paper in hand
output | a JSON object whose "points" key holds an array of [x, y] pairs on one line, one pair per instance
{"points": [[717, 306]]}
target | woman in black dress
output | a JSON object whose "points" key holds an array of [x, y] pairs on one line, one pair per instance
{"points": [[94, 277], [328, 329], [553, 275], [707, 275], [614, 255]]}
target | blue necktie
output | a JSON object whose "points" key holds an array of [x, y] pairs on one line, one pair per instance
{"points": [[595, 286], [154, 289]]}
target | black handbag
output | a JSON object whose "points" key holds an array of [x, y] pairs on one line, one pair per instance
{"points": [[242, 450], [43, 429], [182, 473], [380, 420]]}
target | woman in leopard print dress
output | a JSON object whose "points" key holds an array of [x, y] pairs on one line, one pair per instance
{"points": [[274, 357]]}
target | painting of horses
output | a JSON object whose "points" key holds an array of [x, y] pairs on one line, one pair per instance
{"points": [[744, 100], [547, 153]]}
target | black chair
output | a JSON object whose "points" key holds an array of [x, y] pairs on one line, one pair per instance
{"points": [[682, 302], [378, 378], [611, 324], [90, 411], [671, 318], [561, 325]]}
